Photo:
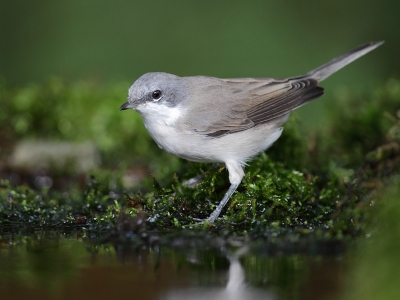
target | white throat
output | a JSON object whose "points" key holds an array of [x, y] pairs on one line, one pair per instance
{"points": [[160, 121], [154, 113]]}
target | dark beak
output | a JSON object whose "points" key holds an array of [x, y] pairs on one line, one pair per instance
{"points": [[124, 106]]}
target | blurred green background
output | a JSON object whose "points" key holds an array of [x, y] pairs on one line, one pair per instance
{"points": [[120, 40]]}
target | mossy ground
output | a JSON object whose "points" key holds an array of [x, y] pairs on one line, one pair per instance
{"points": [[320, 187]]}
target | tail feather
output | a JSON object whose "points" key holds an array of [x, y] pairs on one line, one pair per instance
{"points": [[337, 63]]}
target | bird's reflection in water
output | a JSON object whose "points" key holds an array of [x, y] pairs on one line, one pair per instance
{"points": [[235, 289]]}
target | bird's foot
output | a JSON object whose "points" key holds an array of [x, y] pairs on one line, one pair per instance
{"points": [[214, 216]]}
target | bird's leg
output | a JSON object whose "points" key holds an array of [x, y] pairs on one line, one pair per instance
{"points": [[192, 182], [235, 177], [214, 215]]}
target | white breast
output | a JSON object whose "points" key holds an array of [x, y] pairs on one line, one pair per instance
{"points": [[161, 122]]}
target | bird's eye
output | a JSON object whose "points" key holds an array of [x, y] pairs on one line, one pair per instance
{"points": [[156, 94]]}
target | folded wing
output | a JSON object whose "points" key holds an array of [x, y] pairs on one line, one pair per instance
{"points": [[251, 102]]}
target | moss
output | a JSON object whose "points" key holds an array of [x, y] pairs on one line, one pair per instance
{"points": [[25, 209], [361, 122]]}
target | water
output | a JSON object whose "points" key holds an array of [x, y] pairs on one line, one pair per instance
{"points": [[73, 266]]}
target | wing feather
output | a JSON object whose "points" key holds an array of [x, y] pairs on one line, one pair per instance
{"points": [[248, 102]]}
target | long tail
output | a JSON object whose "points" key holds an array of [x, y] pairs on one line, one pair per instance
{"points": [[337, 63]]}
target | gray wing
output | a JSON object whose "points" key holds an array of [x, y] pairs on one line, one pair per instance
{"points": [[224, 106], [245, 103]]}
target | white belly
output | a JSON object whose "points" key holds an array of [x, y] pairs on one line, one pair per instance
{"points": [[162, 124], [240, 146]]}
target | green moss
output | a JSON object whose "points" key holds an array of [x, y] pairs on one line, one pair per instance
{"points": [[22, 208], [361, 122], [291, 148]]}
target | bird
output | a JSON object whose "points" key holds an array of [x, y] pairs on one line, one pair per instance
{"points": [[214, 120]]}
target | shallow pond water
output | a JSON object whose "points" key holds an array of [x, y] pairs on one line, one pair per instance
{"points": [[73, 266]]}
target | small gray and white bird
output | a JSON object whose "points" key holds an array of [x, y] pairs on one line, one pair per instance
{"points": [[208, 119]]}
